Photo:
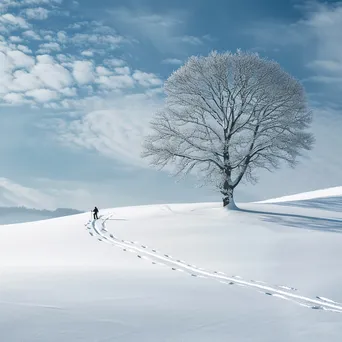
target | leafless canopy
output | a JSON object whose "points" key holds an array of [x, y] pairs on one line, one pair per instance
{"points": [[226, 115]]}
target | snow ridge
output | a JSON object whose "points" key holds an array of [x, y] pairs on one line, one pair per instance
{"points": [[158, 258], [305, 196]]}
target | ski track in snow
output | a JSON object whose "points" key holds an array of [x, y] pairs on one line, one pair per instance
{"points": [[166, 260]]}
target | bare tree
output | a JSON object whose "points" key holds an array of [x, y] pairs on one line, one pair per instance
{"points": [[225, 116]]}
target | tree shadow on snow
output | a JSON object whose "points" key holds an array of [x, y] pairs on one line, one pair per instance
{"points": [[330, 204], [301, 221], [312, 223]]}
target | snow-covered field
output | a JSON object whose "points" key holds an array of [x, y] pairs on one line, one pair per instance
{"points": [[191, 272]]}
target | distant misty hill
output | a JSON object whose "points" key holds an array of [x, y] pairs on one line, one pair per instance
{"points": [[9, 215]]}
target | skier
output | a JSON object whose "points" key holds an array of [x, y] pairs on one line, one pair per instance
{"points": [[95, 211]]}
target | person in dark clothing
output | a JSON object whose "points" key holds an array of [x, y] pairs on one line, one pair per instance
{"points": [[95, 211]]}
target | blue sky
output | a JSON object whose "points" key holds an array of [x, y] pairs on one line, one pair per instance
{"points": [[80, 80]]}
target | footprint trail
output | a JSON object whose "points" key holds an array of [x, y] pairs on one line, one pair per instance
{"points": [[97, 229]]}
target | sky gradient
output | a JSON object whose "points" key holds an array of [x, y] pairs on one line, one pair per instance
{"points": [[80, 81]]}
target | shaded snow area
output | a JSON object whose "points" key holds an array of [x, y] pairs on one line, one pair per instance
{"points": [[327, 199], [192, 272]]}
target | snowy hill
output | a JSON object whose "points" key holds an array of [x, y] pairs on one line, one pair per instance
{"points": [[181, 272], [328, 199]]}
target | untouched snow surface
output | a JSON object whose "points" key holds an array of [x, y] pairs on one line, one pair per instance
{"points": [[191, 272], [323, 193]]}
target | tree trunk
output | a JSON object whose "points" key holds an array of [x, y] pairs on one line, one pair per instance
{"points": [[228, 196]]}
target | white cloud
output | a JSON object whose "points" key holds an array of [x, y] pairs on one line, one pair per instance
{"points": [[77, 26], [331, 81], [69, 92], [24, 48], [52, 74], [31, 35], [40, 2], [15, 194], [48, 35], [48, 48], [326, 65], [52, 105], [45, 59], [123, 70], [48, 194], [15, 39], [114, 62], [157, 28], [318, 33], [191, 40], [324, 26], [14, 98], [5, 69], [62, 37], [111, 41], [87, 53], [147, 79], [102, 71], [116, 130], [64, 81], [116, 81], [174, 61], [11, 20], [67, 59], [20, 59], [38, 13], [24, 81], [83, 72], [165, 31], [43, 95]]}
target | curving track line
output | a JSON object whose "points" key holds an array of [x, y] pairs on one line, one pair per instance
{"points": [[166, 260]]}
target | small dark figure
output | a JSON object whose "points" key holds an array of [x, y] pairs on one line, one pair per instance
{"points": [[95, 211]]}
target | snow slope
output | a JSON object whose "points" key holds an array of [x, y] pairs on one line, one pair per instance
{"points": [[328, 199], [190, 272], [311, 195]]}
